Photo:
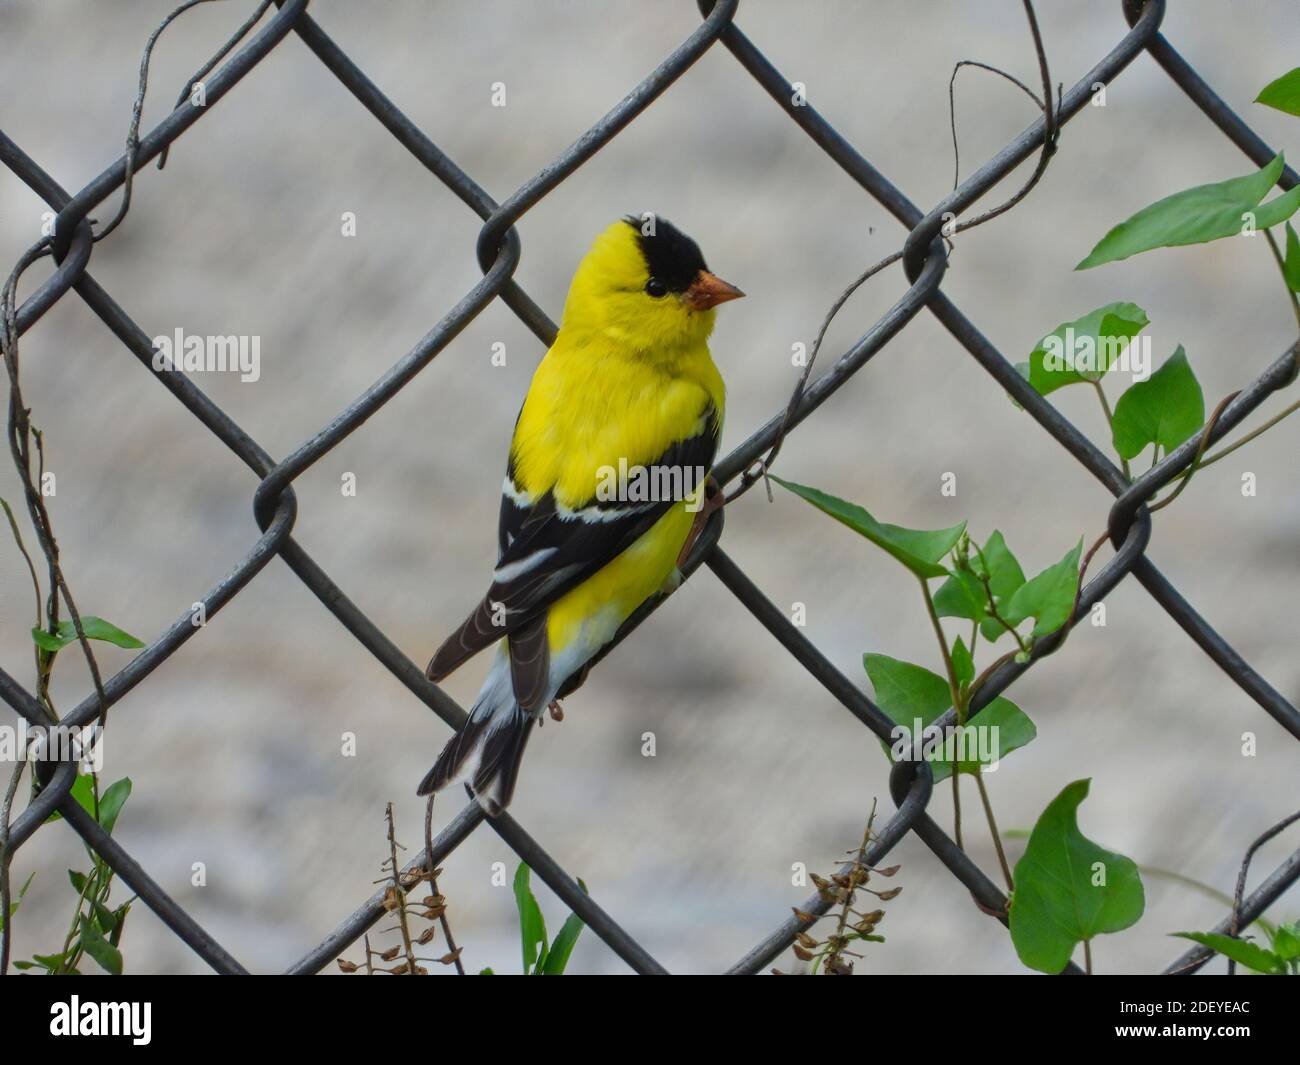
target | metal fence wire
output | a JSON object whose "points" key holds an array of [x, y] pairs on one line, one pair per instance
{"points": [[499, 251]]}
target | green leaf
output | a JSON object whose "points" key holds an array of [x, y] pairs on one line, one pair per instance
{"points": [[532, 926], [1049, 597], [100, 949], [1239, 950], [78, 881], [963, 664], [1068, 889], [1291, 265], [1198, 215], [486, 972], [83, 790], [104, 917], [45, 641], [119, 922], [917, 549], [1004, 572], [907, 692], [558, 956], [1164, 410], [961, 596], [1284, 93], [48, 961], [110, 805], [94, 628], [1086, 349], [1286, 942]]}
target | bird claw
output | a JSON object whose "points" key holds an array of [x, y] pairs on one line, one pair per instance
{"points": [[714, 500], [557, 711]]}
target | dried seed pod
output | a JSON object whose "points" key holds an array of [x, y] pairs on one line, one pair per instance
{"points": [[347, 966], [805, 940], [801, 954], [890, 871], [427, 935], [450, 957], [391, 953], [885, 896]]}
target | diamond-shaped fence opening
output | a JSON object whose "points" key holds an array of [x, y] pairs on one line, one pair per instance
{"points": [[499, 250]]}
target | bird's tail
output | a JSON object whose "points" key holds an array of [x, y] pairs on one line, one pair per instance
{"points": [[492, 740]]}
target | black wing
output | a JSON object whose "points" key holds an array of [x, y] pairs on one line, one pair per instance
{"points": [[546, 550]]}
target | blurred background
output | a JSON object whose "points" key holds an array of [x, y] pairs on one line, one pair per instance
{"points": [[234, 745]]}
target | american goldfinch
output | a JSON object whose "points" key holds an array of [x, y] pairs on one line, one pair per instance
{"points": [[604, 486]]}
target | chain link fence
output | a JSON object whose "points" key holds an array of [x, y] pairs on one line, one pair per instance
{"points": [[499, 250]]}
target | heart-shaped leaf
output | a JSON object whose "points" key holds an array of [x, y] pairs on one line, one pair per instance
{"points": [[1164, 410], [1068, 889], [1086, 349], [909, 693], [963, 595], [1049, 597]]}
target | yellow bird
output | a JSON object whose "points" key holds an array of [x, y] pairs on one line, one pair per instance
{"points": [[604, 488]]}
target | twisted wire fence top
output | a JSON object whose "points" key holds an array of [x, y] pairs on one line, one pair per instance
{"points": [[921, 289]]}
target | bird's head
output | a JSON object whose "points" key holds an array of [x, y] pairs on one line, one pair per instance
{"points": [[644, 284]]}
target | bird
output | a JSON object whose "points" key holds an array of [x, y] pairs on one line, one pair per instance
{"points": [[606, 486]]}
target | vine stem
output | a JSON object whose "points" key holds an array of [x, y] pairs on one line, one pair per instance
{"points": [[993, 828], [1087, 956], [956, 703], [1250, 436], [433, 884], [1110, 420], [1281, 266]]}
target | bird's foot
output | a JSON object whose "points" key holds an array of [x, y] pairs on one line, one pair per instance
{"points": [[714, 500]]}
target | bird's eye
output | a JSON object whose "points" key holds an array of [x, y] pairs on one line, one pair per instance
{"points": [[656, 288]]}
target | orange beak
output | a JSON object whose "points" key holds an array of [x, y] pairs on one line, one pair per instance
{"points": [[708, 291]]}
